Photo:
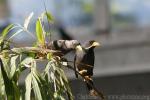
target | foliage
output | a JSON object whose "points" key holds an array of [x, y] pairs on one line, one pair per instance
{"points": [[49, 84]]}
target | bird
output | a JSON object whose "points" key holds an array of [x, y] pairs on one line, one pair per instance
{"points": [[64, 46], [84, 63]]}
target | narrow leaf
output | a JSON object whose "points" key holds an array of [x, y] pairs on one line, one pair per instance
{"points": [[27, 20], [7, 82], [6, 30], [28, 87], [16, 91], [16, 33], [2, 88], [27, 61], [36, 88], [39, 32], [49, 16], [13, 65]]}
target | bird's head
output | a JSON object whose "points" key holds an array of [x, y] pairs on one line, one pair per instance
{"points": [[93, 44]]}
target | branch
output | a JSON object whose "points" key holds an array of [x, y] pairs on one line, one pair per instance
{"points": [[33, 49], [99, 93]]}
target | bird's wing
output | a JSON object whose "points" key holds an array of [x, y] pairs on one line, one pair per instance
{"points": [[75, 67]]}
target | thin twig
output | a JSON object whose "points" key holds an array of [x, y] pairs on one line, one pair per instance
{"points": [[34, 49]]}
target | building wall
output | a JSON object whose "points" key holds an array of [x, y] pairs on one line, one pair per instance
{"points": [[120, 87]]}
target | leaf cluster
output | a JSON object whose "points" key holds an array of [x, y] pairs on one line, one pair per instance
{"points": [[50, 83]]}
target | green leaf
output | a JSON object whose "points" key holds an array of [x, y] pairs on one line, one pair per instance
{"points": [[6, 30], [36, 75], [20, 68], [6, 62], [13, 65], [66, 86], [16, 91], [16, 33], [2, 88], [28, 82], [49, 16], [36, 88], [49, 56], [31, 54], [40, 32], [27, 62], [27, 20], [57, 96], [8, 83]]}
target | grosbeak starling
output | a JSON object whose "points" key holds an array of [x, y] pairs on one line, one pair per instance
{"points": [[84, 63]]}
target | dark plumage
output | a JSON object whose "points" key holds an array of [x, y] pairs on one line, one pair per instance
{"points": [[84, 62], [65, 46], [63, 33]]}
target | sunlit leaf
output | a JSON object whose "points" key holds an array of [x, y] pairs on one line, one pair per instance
{"points": [[28, 86], [6, 30], [36, 75], [65, 81], [48, 66], [40, 32], [16, 91], [16, 33], [27, 62], [2, 88], [6, 65], [36, 88], [58, 96], [31, 54], [27, 20], [13, 65], [49, 56], [8, 83], [49, 17]]}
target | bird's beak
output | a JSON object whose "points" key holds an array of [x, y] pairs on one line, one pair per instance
{"points": [[79, 47], [96, 44]]}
